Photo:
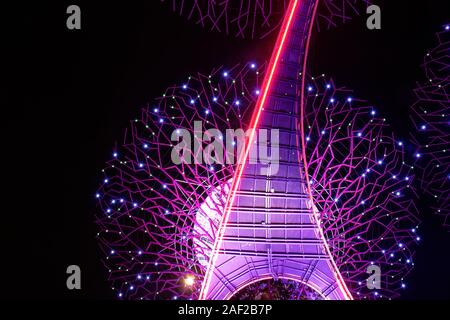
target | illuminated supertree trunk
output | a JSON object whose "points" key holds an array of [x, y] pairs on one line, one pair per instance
{"points": [[158, 221], [336, 203]]}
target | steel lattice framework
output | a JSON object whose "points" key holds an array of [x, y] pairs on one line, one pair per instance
{"points": [[157, 220], [431, 119], [259, 18]]}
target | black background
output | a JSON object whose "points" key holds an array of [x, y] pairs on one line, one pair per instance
{"points": [[70, 95]]}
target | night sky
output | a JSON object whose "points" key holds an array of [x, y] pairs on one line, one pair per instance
{"points": [[71, 94]]}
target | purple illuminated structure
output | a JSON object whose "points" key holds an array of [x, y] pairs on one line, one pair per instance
{"points": [[339, 203], [258, 18], [431, 121]]}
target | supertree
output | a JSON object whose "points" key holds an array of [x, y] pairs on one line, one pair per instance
{"points": [[259, 18], [430, 119], [154, 229], [158, 220]]}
